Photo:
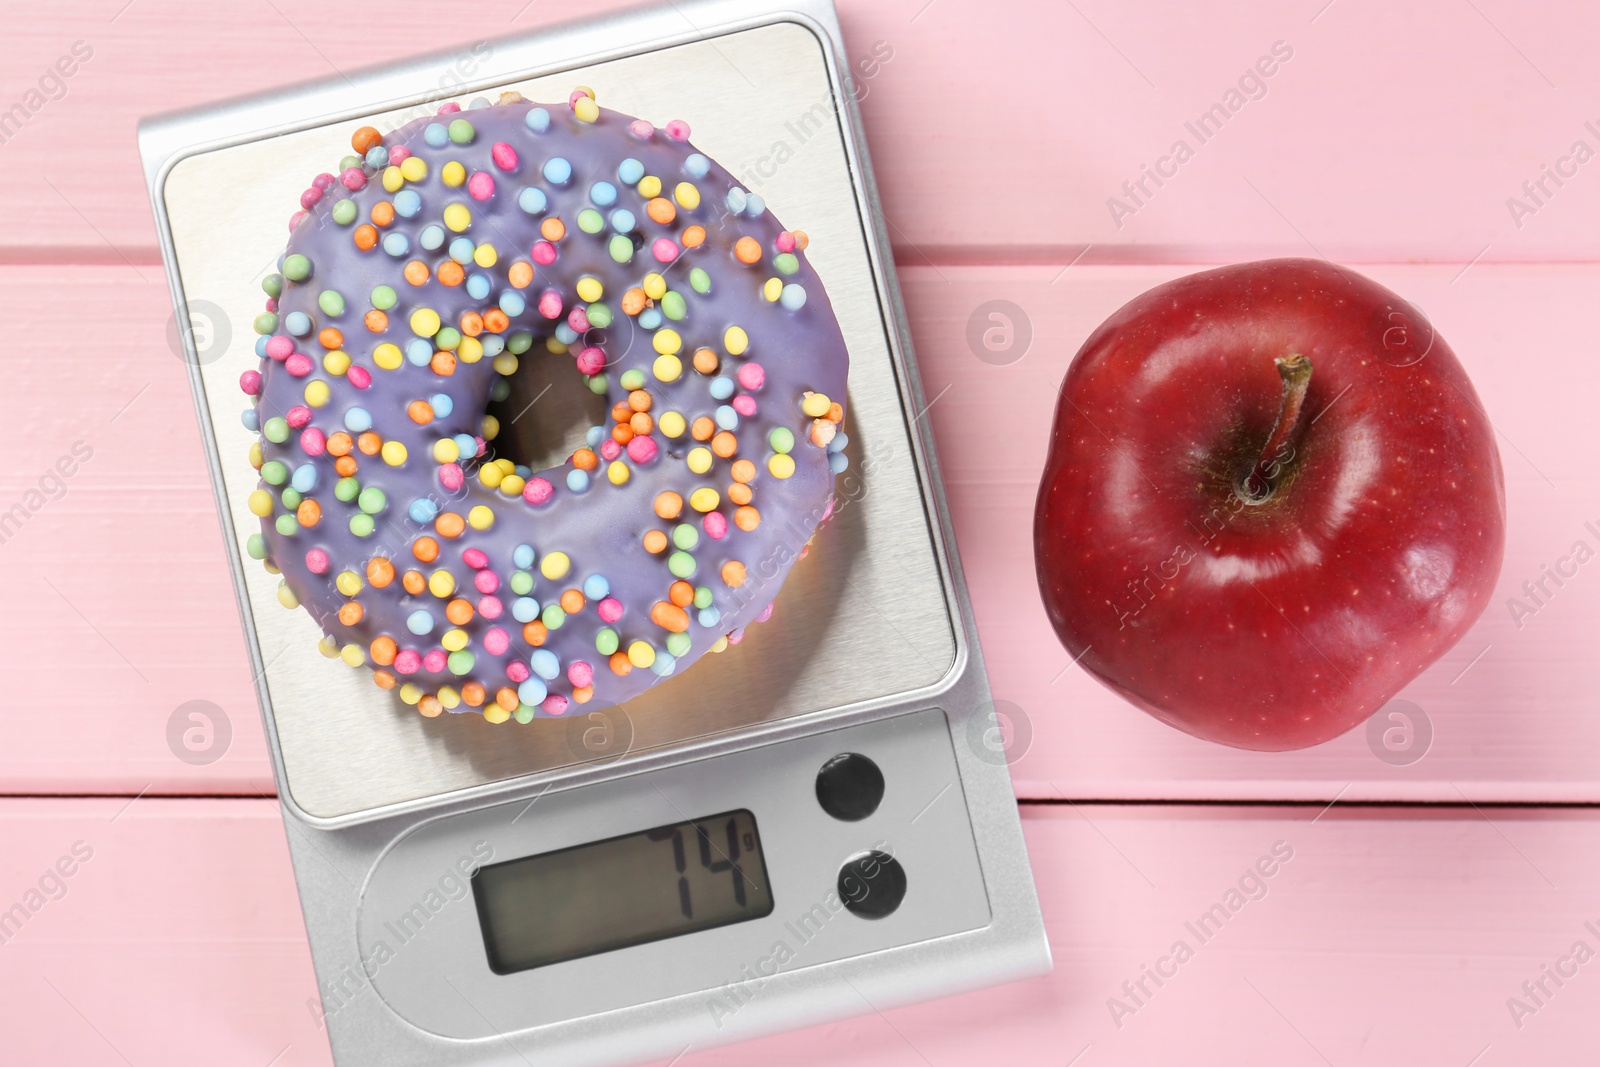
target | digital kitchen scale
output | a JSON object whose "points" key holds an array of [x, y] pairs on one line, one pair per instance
{"points": [[816, 823]]}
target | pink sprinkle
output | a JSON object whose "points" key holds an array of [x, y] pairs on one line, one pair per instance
{"points": [[716, 524], [544, 254], [827, 511], [483, 446], [766, 613], [752, 376], [581, 674], [550, 304], [486, 581], [590, 361], [576, 95], [317, 561], [298, 417], [449, 109], [354, 178], [476, 558], [398, 155], [786, 241], [745, 404], [642, 448], [313, 442], [537, 491], [641, 129], [360, 377], [435, 661], [296, 219], [664, 249], [578, 319], [298, 364], [517, 671], [490, 607], [480, 186], [322, 181], [554, 704], [504, 156], [309, 198], [678, 130], [450, 476], [279, 347], [609, 449], [737, 636], [272, 304], [610, 609], [496, 641], [407, 662], [250, 381]]}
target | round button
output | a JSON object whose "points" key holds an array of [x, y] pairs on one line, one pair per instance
{"points": [[872, 884], [849, 787]]}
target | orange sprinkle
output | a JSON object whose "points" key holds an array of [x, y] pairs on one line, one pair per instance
{"points": [[383, 650], [619, 663], [801, 240], [472, 694], [416, 272], [705, 361], [458, 611], [351, 612], [365, 140], [369, 443], [506, 697], [747, 250], [740, 493], [376, 321], [622, 433], [340, 443], [572, 601], [413, 582], [420, 412], [383, 213], [733, 573], [655, 542], [520, 274], [621, 412], [346, 466], [694, 237], [366, 237], [496, 321], [535, 633], [330, 338], [669, 505], [703, 428], [725, 444], [450, 524], [426, 549], [380, 572], [583, 694], [443, 363], [585, 459], [640, 400], [681, 593], [747, 518], [634, 301], [309, 513], [450, 273], [430, 707], [744, 470], [385, 679], [641, 423], [552, 229], [669, 617], [661, 210], [471, 323], [835, 412]]}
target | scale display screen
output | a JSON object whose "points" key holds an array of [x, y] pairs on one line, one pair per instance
{"points": [[622, 891]]}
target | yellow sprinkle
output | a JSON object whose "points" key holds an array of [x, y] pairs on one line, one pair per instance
{"points": [[617, 473], [449, 697], [348, 583], [649, 187], [555, 347], [686, 195], [667, 342], [699, 460], [317, 392], [446, 451], [409, 691], [394, 453], [640, 654], [772, 288], [586, 110], [781, 465], [256, 459], [590, 289], [480, 517], [441, 583], [505, 364], [505, 465], [704, 499], [353, 655], [470, 350], [512, 485], [413, 169], [491, 428], [816, 405], [424, 322], [672, 424], [453, 173], [388, 356], [495, 713], [721, 643], [393, 179], [287, 598], [490, 475], [336, 362], [261, 503], [655, 286], [668, 368], [555, 566], [485, 256], [735, 341], [453, 640], [457, 217], [328, 646]]}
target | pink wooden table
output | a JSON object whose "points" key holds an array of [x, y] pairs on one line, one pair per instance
{"points": [[1415, 141]]}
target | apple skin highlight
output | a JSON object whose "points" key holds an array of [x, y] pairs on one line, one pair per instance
{"points": [[1280, 622]]}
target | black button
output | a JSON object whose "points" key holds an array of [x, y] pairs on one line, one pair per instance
{"points": [[872, 884], [849, 787]]}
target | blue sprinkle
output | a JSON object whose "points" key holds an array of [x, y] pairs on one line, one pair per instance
{"points": [[630, 170], [840, 440], [468, 445], [431, 238], [736, 200], [436, 135], [461, 250], [522, 556], [251, 420], [493, 345], [710, 616], [513, 303], [650, 318], [261, 347], [358, 420], [754, 205], [377, 157], [595, 435], [622, 220], [566, 334], [538, 120], [407, 203], [396, 244], [604, 194], [721, 387], [477, 102], [419, 353], [557, 170], [532, 691], [595, 587], [297, 323], [478, 286], [524, 471], [525, 609], [696, 165], [837, 462], [419, 622], [545, 664], [663, 664], [793, 297], [531, 200], [423, 510], [304, 478], [577, 480], [727, 418], [442, 405]]}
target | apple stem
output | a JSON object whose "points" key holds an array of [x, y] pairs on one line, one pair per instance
{"points": [[1257, 487]]}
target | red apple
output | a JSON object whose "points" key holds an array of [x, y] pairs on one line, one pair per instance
{"points": [[1272, 499]]}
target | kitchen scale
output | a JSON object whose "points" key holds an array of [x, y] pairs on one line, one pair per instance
{"points": [[818, 822]]}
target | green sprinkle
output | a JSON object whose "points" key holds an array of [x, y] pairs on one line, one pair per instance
{"points": [[274, 472], [786, 262], [599, 315], [372, 500], [461, 662], [702, 596], [519, 342], [621, 247], [256, 546], [276, 430], [606, 641], [633, 379], [524, 713], [265, 323], [346, 489], [599, 383], [673, 306], [553, 616], [591, 221], [297, 268], [331, 302], [287, 525], [346, 162], [290, 497], [681, 564], [272, 285], [522, 582], [781, 439], [461, 131], [448, 338], [678, 644], [384, 298], [344, 212], [362, 525], [684, 536], [700, 281]]}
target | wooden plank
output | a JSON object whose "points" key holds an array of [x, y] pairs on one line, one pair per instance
{"points": [[118, 609], [1393, 132], [1388, 937]]}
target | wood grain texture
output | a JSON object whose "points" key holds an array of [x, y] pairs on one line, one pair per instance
{"points": [[1394, 132], [1385, 939]]}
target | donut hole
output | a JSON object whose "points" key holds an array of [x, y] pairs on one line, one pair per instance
{"points": [[547, 413]]}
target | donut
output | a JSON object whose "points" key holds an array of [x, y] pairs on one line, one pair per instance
{"points": [[416, 282]]}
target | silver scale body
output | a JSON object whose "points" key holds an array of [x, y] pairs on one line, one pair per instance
{"points": [[872, 647]]}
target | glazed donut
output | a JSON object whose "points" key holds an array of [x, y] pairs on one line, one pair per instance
{"points": [[421, 277]]}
